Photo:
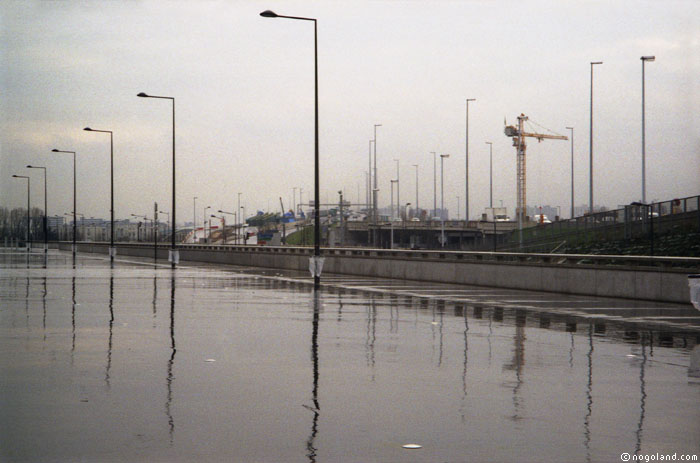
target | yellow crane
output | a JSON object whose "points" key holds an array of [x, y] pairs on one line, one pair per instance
{"points": [[518, 135]]}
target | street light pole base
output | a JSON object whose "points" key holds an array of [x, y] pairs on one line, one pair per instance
{"points": [[174, 256]]}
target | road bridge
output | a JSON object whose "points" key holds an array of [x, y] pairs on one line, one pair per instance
{"points": [[632, 277]]}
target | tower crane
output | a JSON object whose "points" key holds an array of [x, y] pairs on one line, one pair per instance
{"points": [[518, 135]]}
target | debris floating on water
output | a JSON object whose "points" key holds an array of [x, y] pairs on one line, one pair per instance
{"points": [[210, 360], [412, 446]]}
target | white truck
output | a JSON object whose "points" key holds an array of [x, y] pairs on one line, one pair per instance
{"points": [[498, 214]]}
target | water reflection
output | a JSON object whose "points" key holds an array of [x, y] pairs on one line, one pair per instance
{"points": [[111, 325], [463, 313], [517, 363], [171, 361], [73, 304], [371, 336], [589, 395], [155, 296], [643, 396], [43, 301], [316, 409]]}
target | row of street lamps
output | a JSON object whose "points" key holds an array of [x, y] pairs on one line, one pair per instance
{"points": [[316, 260]]}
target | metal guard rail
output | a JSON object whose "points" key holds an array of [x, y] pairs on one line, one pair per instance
{"points": [[681, 264]]}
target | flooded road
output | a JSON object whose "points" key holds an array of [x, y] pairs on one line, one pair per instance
{"points": [[213, 363]]}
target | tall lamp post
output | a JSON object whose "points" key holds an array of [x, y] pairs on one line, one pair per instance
{"points": [[112, 249], [204, 223], [316, 262], [590, 143], [174, 256], [28, 206], [572, 171], [144, 223], [168, 214], [442, 199], [74, 194], [434, 182], [644, 184], [398, 197], [490, 176], [466, 163], [235, 218], [416, 205], [375, 190], [46, 219], [238, 218], [194, 218]]}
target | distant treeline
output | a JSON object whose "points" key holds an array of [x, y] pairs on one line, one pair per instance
{"points": [[13, 224]]}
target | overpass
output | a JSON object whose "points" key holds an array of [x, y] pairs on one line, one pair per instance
{"points": [[633, 277]]}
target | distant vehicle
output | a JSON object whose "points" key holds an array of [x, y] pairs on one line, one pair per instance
{"points": [[541, 218], [496, 214], [415, 219]]}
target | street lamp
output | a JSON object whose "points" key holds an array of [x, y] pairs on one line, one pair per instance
{"points": [[398, 197], [644, 185], [194, 218], [235, 218], [204, 223], [391, 226], [168, 214], [590, 143], [572, 171], [223, 226], [174, 256], [369, 184], [442, 199], [28, 206], [46, 220], [490, 177], [139, 225], [392, 198], [434, 183], [74, 195], [112, 249], [466, 162], [316, 261], [376, 187], [416, 166], [238, 217]]}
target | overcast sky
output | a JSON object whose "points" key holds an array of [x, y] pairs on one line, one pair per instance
{"points": [[243, 86]]}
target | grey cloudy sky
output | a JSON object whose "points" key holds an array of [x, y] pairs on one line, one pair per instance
{"points": [[244, 99]]}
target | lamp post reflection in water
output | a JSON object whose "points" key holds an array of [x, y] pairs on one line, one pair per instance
{"points": [[316, 409], [171, 361], [111, 324]]}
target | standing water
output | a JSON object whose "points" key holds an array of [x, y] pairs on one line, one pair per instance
{"points": [[144, 363]]}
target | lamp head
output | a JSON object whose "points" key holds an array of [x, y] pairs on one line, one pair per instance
{"points": [[648, 58], [55, 150], [268, 14], [596, 62], [142, 95], [88, 129], [29, 167]]}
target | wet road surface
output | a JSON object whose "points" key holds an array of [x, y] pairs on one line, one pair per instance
{"points": [[218, 363]]}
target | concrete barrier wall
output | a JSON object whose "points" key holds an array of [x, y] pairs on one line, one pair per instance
{"points": [[629, 280]]}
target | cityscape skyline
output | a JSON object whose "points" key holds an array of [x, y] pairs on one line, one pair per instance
{"points": [[244, 91]]}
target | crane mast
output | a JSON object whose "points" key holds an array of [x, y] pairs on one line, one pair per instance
{"points": [[519, 135]]}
